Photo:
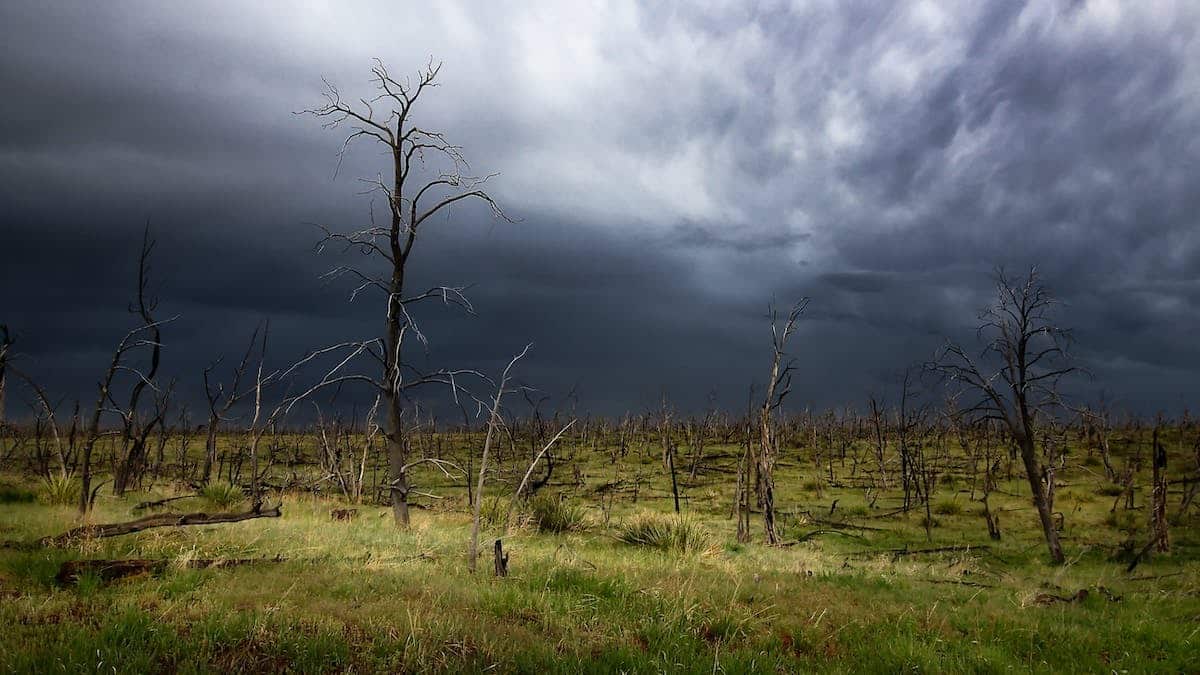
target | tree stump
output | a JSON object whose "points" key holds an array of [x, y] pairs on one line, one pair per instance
{"points": [[501, 560]]}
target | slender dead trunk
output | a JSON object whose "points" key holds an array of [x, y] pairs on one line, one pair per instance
{"points": [[1158, 499], [1041, 496]]}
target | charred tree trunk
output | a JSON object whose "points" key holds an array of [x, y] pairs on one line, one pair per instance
{"points": [[1042, 496], [1158, 502]]}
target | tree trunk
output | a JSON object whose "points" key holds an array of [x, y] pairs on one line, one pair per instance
{"points": [[396, 457], [210, 450], [501, 560], [1033, 472], [1159, 498], [742, 494], [766, 473]]}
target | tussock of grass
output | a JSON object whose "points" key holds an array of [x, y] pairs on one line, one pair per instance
{"points": [[60, 491], [669, 533], [553, 514], [854, 511], [493, 513], [222, 496], [1124, 521], [947, 507]]}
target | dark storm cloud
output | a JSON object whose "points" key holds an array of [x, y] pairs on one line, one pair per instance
{"points": [[674, 171]]}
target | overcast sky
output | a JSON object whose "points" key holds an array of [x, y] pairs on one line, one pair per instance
{"points": [[673, 170]]}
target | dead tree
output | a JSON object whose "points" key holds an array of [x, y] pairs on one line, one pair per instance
{"points": [[1158, 497], [697, 435], [494, 420], [741, 495], [49, 409], [1028, 358], [879, 425], [500, 560], [336, 457], [220, 402], [910, 418], [1098, 424], [779, 384], [135, 429], [6, 343], [525, 481], [411, 203], [133, 340]]}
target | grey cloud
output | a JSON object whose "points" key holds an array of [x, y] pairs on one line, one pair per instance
{"points": [[674, 169]]}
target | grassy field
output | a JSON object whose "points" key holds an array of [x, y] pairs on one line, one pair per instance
{"points": [[853, 591]]}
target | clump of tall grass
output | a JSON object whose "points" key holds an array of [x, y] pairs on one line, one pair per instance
{"points": [[493, 513], [947, 507], [222, 496], [60, 490], [669, 533], [553, 514]]}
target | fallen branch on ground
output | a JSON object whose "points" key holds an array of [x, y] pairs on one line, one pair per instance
{"points": [[956, 582], [898, 552], [1050, 599], [817, 533], [160, 502], [160, 520]]}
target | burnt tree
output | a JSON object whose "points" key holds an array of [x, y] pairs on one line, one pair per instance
{"points": [[1014, 380], [414, 194]]}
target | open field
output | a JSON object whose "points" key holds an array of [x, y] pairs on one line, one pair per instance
{"points": [[854, 589]]}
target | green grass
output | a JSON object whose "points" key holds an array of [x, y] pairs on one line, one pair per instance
{"points": [[60, 490], [665, 532], [222, 496], [551, 513], [638, 589]]}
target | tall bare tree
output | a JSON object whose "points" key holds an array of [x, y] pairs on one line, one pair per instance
{"points": [[1015, 379], [779, 384], [136, 427], [414, 194]]}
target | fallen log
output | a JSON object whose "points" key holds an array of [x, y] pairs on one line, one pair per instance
{"points": [[816, 533], [159, 520], [1050, 599], [896, 553], [958, 582], [155, 504], [848, 526], [111, 570]]}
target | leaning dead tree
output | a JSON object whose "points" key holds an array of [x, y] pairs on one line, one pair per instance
{"points": [[494, 421], [414, 194], [1015, 379], [779, 384]]}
